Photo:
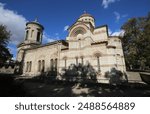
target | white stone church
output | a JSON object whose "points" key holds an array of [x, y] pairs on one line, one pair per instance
{"points": [[86, 44]]}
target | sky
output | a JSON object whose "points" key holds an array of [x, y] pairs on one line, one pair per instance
{"points": [[57, 15]]}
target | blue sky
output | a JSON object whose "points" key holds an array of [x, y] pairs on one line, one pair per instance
{"points": [[56, 15]]}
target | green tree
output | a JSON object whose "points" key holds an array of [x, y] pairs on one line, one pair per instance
{"points": [[4, 39], [136, 42]]}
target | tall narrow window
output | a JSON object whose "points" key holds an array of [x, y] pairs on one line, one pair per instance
{"points": [[82, 60], [76, 60], [30, 66], [98, 63], [39, 66], [55, 64], [43, 65], [27, 66], [32, 33], [27, 32], [38, 36], [52, 63], [65, 63]]}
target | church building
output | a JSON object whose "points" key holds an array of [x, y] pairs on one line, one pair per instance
{"points": [[86, 46]]}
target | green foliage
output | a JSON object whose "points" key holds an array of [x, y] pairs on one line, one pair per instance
{"points": [[4, 39], [136, 42]]}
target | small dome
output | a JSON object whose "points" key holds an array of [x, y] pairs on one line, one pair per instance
{"points": [[36, 23], [86, 15], [87, 18]]}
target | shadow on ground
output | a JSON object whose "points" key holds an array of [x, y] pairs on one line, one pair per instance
{"points": [[42, 87], [9, 87]]}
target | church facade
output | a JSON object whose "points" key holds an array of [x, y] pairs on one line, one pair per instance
{"points": [[85, 45]]}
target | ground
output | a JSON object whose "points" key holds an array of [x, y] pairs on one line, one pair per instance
{"points": [[12, 87]]}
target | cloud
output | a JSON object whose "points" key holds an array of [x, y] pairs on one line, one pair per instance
{"points": [[118, 16], [47, 38], [118, 33], [15, 23], [109, 32], [66, 27], [106, 3]]}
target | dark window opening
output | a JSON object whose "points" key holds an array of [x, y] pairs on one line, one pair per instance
{"points": [[55, 64], [38, 36], [27, 33], [39, 66], [30, 66], [43, 66], [98, 63], [76, 60]]}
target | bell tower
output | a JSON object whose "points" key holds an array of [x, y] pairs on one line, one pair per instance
{"points": [[33, 33], [33, 38]]}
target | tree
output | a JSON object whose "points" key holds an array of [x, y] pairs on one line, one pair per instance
{"points": [[4, 39], [136, 42]]}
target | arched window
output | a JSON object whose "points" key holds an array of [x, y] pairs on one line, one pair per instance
{"points": [[30, 66], [43, 66], [39, 65], [76, 31], [27, 65], [98, 63], [56, 64], [51, 64], [27, 33], [82, 61], [32, 33], [65, 60], [77, 61], [38, 36]]}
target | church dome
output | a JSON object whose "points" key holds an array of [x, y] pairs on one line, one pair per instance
{"points": [[86, 17], [35, 22]]}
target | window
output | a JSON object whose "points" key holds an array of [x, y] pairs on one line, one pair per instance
{"points": [[38, 36], [43, 66], [39, 66], [27, 32], [27, 64], [98, 63], [30, 66], [65, 63], [51, 65], [76, 60], [56, 64], [82, 60], [32, 33]]}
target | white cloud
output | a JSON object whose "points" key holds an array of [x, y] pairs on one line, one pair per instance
{"points": [[47, 38], [118, 33], [109, 32], [15, 23], [66, 27], [12, 49], [118, 16], [106, 3]]}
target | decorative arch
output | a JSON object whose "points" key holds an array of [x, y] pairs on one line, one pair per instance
{"points": [[78, 29], [65, 62]]}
